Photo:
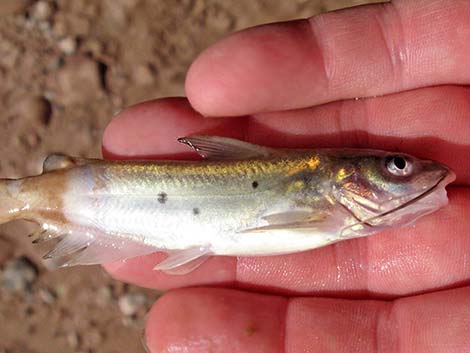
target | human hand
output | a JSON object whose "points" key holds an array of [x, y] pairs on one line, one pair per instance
{"points": [[303, 302]]}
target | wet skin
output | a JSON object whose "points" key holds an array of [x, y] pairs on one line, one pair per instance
{"points": [[302, 302]]}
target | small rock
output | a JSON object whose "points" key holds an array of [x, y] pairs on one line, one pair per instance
{"points": [[143, 75], [47, 296], [35, 108], [68, 45], [44, 26], [115, 14], [104, 296], [131, 303], [73, 339], [118, 104], [128, 321], [42, 11], [61, 290], [60, 26], [79, 81], [19, 274], [94, 47], [221, 19], [11, 54], [13, 7]]}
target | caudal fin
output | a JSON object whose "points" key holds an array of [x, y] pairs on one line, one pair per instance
{"points": [[10, 206]]}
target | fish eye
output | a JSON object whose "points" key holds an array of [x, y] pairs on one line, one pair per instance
{"points": [[399, 166]]}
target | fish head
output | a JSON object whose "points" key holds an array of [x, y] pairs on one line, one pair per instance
{"points": [[382, 189]]}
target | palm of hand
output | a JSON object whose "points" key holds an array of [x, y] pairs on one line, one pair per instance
{"points": [[299, 65]]}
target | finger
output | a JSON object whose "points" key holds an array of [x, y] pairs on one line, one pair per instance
{"points": [[358, 52], [215, 320], [343, 268], [151, 129], [245, 330]]}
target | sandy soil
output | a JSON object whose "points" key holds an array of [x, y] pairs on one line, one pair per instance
{"points": [[65, 68]]}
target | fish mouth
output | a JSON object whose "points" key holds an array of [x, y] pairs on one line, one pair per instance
{"points": [[404, 213], [415, 206]]}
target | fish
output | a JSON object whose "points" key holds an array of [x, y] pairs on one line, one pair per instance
{"points": [[240, 199]]}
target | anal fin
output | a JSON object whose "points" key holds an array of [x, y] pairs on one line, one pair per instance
{"points": [[44, 233], [87, 246]]}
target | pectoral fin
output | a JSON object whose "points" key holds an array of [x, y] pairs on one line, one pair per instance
{"points": [[291, 217], [276, 227], [290, 220], [216, 147], [181, 262]]}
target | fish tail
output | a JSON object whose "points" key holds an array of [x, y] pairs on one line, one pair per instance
{"points": [[10, 206]]}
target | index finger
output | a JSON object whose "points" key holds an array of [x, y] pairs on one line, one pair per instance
{"points": [[364, 51]]}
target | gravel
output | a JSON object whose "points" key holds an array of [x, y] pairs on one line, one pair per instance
{"points": [[42, 11], [19, 274], [131, 303]]}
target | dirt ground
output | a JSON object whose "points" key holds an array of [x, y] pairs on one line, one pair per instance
{"points": [[65, 68]]}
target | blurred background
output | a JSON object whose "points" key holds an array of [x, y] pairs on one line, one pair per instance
{"points": [[66, 67]]}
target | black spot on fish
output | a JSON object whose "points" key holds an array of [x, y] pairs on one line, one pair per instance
{"points": [[196, 211], [254, 184], [162, 197]]}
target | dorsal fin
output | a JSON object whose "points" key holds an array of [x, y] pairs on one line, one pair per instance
{"points": [[216, 147]]}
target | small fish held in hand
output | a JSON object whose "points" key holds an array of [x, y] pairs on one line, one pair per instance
{"points": [[241, 200]]}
